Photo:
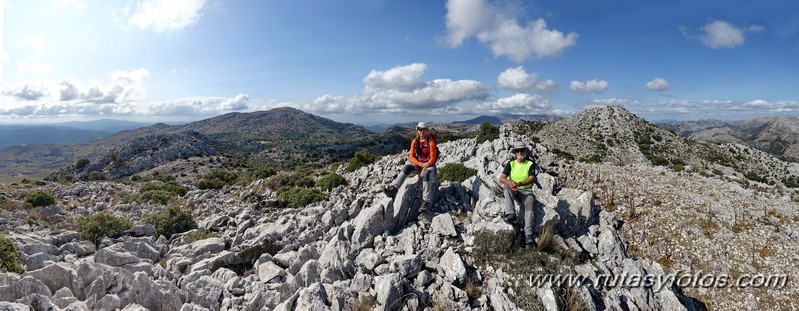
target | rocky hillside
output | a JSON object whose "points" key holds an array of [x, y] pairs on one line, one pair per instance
{"points": [[353, 250], [281, 137], [778, 136]]}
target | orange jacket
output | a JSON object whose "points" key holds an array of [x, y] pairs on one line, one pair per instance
{"points": [[432, 158]]}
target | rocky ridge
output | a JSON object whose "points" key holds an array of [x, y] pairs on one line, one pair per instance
{"points": [[346, 251]]}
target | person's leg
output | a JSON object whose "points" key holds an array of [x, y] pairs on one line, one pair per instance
{"points": [[407, 170], [510, 211], [529, 216], [429, 181]]}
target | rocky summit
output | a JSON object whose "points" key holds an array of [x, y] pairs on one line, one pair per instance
{"points": [[615, 232]]}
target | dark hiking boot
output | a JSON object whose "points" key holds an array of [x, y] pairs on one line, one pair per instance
{"points": [[390, 191], [510, 219], [423, 207], [529, 240]]}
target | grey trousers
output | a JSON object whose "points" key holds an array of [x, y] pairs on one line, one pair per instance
{"points": [[429, 179], [526, 198]]}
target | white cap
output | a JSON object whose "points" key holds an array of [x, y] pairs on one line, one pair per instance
{"points": [[421, 125]]}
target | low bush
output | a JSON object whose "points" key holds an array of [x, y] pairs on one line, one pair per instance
{"points": [[40, 198], [171, 220], [360, 159], [157, 196], [296, 197], [330, 181], [96, 227], [456, 172], [81, 163], [9, 256], [487, 132], [217, 180]]}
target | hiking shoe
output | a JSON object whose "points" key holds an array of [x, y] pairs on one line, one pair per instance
{"points": [[529, 240], [423, 207], [390, 191], [510, 218]]}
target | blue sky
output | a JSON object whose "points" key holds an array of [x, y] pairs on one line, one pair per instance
{"points": [[379, 61]]}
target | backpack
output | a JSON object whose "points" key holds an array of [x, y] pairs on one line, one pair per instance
{"points": [[430, 136]]}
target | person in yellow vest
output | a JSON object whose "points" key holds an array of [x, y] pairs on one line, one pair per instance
{"points": [[518, 178]]}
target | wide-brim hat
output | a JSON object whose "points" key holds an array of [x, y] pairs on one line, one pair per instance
{"points": [[520, 145]]}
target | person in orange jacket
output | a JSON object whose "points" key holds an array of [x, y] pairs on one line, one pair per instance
{"points": [[423, 157]]}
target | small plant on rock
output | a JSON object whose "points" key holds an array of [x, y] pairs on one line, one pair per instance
{"points": [[171, 220], [40, 198], [9, 256], [96, 227], [456, 172], [330, 181]]}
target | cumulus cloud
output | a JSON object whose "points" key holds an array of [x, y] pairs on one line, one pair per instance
{"points": [[127, 86], [518, 79], [497, 28], [659, 84], [593, 86], [27, 91], [718, 34], [400, 89], [164, 15], [519, 104]]}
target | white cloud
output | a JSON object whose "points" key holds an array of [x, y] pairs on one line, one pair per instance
{"points": [[502, 33], [28, 91], [720, 34], [518, 79], [405, 78], [400, 90], [164, 15], [127, 86], [659, 84], [519, 104], [593, 86]]}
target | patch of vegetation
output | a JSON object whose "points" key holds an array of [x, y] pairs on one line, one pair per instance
{"points": [[563, 154], [171, 220], [300, 178], [95, 176], [330, 181], [9, 256], [40, 198], [592, 160], [678, 168], [81, 163], [96, 227], [295, 197], [217, 180], [456, 172], [487, 132], [751, 175], [360, 159]]}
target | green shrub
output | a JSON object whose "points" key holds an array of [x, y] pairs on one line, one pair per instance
{"points": [[455, 172], [487, 132], [175, 187], [360, 159], [754, 176], [659, 161], [82, 163], [330, 181], [157, 196], [593, 159], [678, 167], [9, 256], [295, 197], [488, 245], [96, 175], [40, 198], [98, 226], [170, 221], [217, 180]]}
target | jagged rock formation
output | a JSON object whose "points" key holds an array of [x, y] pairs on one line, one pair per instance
{"points": [[335, 254]]}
